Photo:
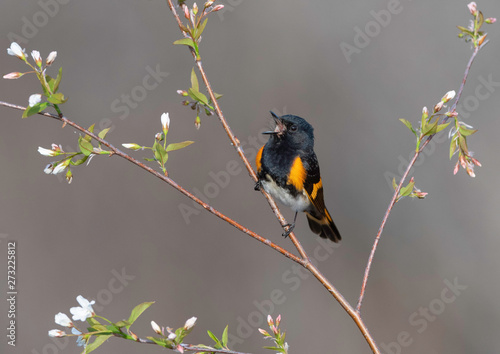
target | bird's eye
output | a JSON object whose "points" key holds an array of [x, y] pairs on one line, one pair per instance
{"points": [[293, 128]]}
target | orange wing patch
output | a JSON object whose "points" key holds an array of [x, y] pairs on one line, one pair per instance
{"points": [[258, 163], [297, 174], [316, 187]]}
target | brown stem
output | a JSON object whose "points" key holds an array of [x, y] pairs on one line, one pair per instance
{"points": [[235, 141], [408, 169], [306, 263], [115, 151]]}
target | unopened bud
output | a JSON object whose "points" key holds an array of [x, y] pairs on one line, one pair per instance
{"points": [[490, 20], [195, 8], [438, 106], [182, 92], [50, 59], [448, 96], [13, 75], [155, 327], [186, 11], [217, 8], [208, 3], [472, 8]]}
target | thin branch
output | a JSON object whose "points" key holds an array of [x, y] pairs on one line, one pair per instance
{"points": [[403, 178], [306, 261], [189, 347], [115, 151], [235, 141]]}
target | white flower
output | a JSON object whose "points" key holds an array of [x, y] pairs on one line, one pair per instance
{"points": [[16, 51], [50, 59], [79, 341], [190, 323], [155, 327], [34, 99], [56, 333], [165, 121], [36, 57], [63, 320], [171, 336], [49, 168], [86, 310], [58, 169], [46, 152]]}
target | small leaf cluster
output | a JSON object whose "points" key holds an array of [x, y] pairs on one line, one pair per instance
{"points": [[277, 336], [219, 343], [430, 124], [86, 151], [199, 100], [409, 190], [458, 135], [160, 148], [473, 32], [50, 85], [196, 25]]}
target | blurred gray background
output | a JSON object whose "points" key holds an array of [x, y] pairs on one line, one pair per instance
{"points": [[117, 235]]}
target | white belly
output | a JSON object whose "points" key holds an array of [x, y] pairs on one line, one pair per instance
{"points": [[298, 203]]}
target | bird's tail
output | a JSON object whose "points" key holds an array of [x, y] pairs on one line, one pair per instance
{"points": [[323, 225]]}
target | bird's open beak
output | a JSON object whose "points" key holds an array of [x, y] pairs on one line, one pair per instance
{"points": [[280, 127]]}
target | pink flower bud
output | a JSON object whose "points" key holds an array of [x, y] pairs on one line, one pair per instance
{"points": [[490, 20], [13, 75], [472, 8]]}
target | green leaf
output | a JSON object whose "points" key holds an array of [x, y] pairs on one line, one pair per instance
{"points": [[57, 98], [465, 30], [99, 340], [217, 95], [102, 133], [149, 159], [35, 109], [161, 342], [465, 131], [480, 20], [120, 324], [225, 336], [462, 143], [408, 124], [453, 147], [394, 185], [160, 154], [198, 96], [85, 146], [430, 129], [177, 146], [79, 161], [214, 338], [137, 311], [194, 81], [406, 191], [200, 29], [185, 41], [58, 80], [441, 127]]}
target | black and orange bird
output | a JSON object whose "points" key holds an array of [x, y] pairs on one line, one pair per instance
{"points": [[287, 169]]}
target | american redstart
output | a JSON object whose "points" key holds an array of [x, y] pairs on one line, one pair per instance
{"points": [[287, 169]]}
